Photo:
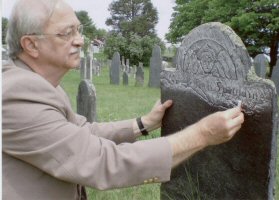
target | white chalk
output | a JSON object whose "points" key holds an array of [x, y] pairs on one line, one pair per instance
{"points": [[239, 103]]}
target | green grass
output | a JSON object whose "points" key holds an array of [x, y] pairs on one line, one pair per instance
{"points": [[117, 103]]}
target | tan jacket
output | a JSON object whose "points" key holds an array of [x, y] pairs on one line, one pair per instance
{"points": [[48, 149]]}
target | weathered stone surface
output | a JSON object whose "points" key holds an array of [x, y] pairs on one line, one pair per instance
{"points": [[260, 64], [213, 72], [86, 100], [139, 75], [275, 76], [115, 69], [155, 67]]}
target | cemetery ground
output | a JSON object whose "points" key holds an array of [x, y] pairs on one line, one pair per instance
{"points": [[118, 102]]}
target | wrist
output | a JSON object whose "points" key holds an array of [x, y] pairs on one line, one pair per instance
{"points": [[141, 126]]}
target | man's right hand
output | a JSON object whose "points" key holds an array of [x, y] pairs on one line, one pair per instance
{"points": [[213, 129], [221, 126]]}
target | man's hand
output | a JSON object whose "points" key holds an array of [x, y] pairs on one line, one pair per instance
{"points": [[153, 119], [220, 127], [214, 129]]}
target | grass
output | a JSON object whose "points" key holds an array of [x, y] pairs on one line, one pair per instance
{"points": [[117, 103]]}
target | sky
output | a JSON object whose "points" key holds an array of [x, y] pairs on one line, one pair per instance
{"points": [[98, 11]]}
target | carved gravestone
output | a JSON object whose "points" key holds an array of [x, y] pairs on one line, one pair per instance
{"points": [[139, 75], [213, 72], [115, 69], [125, 78], [86, 100], [260, 64], [275, 76], [155, 67]]}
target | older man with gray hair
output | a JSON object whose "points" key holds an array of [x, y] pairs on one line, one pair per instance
{"points": [[48, 150]]}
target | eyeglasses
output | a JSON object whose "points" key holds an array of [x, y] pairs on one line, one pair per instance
{"points": [[67, 35]]}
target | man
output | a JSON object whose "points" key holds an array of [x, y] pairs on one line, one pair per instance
{"points": [[48, 149]]}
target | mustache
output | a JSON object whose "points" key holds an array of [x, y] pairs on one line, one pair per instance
{"points": [[75, 50]]}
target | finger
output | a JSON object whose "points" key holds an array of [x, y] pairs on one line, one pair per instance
{"points": [[232, 113], [167, 104], [236, 121]]}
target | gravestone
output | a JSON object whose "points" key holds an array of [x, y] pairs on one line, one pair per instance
{"points": [[139, 75], [115, 69], [155, 67], [275, 76], [260, 63], [82, 68], [213, 72], [88, 70], [125, 78], [86, 100]]}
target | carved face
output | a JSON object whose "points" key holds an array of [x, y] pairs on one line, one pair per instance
{"points": [[207, 61]]}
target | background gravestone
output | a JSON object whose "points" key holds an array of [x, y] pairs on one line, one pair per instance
{"points": [[115, 69], [275, 76], [155, 67], [212, 73], [82, 68], [139, 75], [86, 100], [260, 64], [125, 78], [88, 70]]}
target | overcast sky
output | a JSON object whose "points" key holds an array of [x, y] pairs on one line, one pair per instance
{"points": [[98, 11]]}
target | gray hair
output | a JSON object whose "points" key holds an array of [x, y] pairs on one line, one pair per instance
{"points": [[27, 17]]}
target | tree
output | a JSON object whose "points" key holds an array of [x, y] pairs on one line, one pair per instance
{"points": [[89, 29], [133, 34], [4, 29], [256, 22], [137, 16]]}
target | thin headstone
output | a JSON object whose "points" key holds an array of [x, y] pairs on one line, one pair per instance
{"points": [[275, 76], [82, 68], [127, 65], [260, 63], [213, 73], [125, 78], [155, 67], [139, 75], [115, 69], [89, 68], [86, 100], [123, 66]]}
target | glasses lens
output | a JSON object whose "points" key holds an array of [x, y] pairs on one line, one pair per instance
{"points": [[80, 29]]}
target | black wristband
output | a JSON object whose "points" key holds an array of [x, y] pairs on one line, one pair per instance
{"points": [[141, 127]]}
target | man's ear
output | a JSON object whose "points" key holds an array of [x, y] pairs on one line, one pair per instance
{"points": [[30, 45]]}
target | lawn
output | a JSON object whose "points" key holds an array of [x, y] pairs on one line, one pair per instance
{"points": [[116, 103]]}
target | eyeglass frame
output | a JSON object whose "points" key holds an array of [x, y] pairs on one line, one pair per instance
{"points": [[67, 36]]}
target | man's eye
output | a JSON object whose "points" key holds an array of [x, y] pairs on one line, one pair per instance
{"points": [[66, 33]]}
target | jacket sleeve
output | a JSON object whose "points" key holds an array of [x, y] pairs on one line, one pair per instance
{"points": [[119, 131]]}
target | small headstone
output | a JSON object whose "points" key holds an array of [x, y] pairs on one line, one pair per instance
{"points": [[260, 63], [139, 75], [115, 69], [155, 67], [86, 100], [82, 69], [213, 72], [125, 78], [275, 76], [89, 68]]}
